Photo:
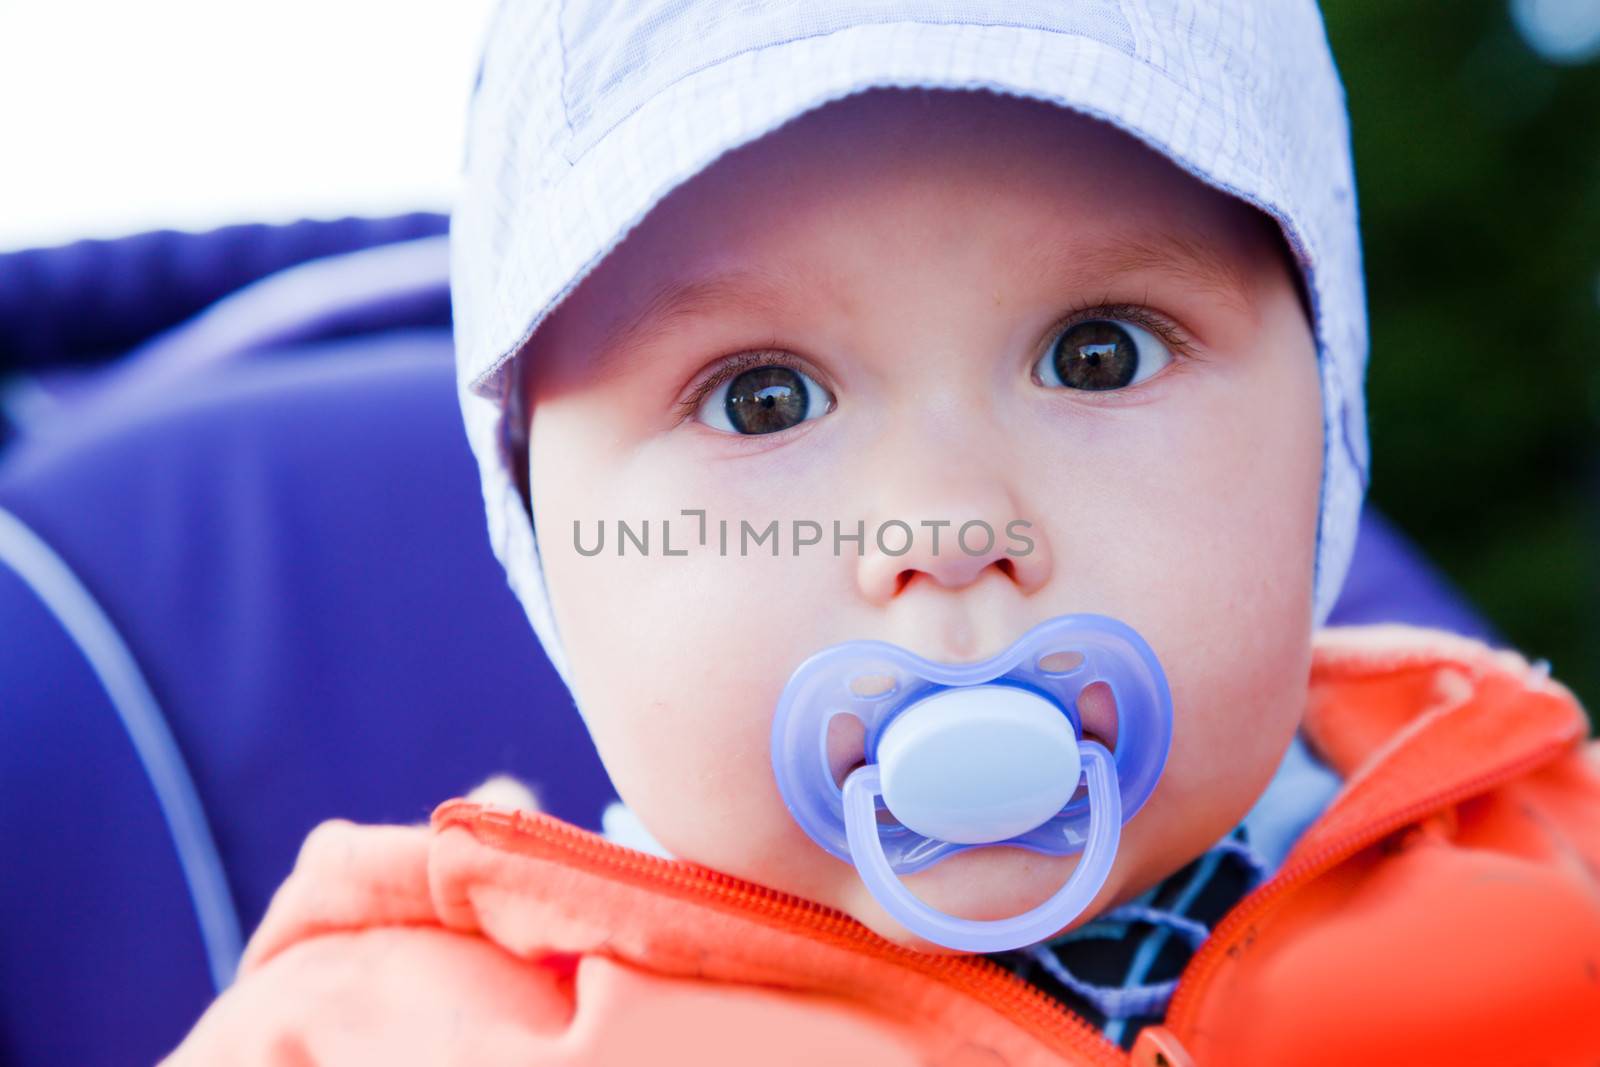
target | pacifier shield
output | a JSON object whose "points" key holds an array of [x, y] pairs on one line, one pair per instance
{"points": [[960, 756], [878, 683]]}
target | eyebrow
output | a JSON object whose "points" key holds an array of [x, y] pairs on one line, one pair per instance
{"points": [[749, 289], [1184, 256]]}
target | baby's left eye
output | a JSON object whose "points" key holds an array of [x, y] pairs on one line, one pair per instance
{"points": [[1102, 354]]}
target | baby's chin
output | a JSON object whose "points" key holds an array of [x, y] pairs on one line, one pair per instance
{"points": [[994, 882]]}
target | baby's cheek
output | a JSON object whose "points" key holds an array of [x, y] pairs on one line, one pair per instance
{"points": [[678, 660], [1238, 678], [679, 664], [1215, 569]]}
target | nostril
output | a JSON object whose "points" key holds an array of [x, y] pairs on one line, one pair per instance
{"points": [[847, 745], [909, 575]]}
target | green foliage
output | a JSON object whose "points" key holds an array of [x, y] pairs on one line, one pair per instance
{"points": [[1478, 179]]}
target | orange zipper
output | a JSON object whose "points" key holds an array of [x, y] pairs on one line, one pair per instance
{"points": [[1213, 950], [1031, 1008]]}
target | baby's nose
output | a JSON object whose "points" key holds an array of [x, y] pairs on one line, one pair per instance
{"points": [[954, 550], [949, 506]]}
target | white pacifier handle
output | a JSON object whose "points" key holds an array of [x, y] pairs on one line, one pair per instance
{"points": [[864, 786]]}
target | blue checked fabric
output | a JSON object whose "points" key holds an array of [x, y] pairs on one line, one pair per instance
{"points": [[1120, 969]]}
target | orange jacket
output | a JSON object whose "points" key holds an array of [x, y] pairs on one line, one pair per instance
{"points": [[1445, 908]]}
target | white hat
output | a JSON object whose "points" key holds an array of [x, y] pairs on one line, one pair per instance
{"points": [[588, 112]]}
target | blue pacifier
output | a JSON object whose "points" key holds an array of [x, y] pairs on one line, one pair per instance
{"points": [[962, 756]]}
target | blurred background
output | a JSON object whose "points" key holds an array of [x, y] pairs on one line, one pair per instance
{"points": [[191, 114], [1476, 126]]}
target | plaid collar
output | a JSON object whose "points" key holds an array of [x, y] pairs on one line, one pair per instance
{"points": [[1119, 970]]}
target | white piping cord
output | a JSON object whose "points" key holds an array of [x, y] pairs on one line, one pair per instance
{"points": [[86, 623]]}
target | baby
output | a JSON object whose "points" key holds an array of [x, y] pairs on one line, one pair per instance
{"points": [[925, 276], [785, 358]]}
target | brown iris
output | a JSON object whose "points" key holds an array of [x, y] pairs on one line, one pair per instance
{"points": [[766, 400], [1096, 355]]}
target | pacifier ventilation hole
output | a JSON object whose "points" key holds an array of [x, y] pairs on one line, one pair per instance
{"points": [[1097, 712], [846, 745], [1097, 709], [1060, 662], [872, 686]]}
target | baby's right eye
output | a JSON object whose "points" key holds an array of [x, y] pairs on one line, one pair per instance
{"points": [[763, 399]]}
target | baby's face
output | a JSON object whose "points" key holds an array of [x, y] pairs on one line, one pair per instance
{"points": [[923, 307]]}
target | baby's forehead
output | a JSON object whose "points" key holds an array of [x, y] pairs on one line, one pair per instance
{"points": [[999, 188]]}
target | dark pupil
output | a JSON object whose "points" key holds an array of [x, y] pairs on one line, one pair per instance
{"points": [[766, 400], [1096, 355]]}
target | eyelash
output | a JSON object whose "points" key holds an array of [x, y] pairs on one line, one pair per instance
{"points": [[1181, 344], [771, 356], [1169, 332]]}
